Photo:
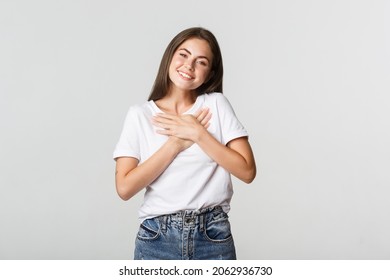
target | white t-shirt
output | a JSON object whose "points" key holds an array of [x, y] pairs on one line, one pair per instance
{"points": [[193, 180]]}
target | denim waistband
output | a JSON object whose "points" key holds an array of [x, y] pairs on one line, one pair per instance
{"points": [[189, 218]]}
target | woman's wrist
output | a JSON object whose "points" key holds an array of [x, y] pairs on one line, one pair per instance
{"points": [[173, 144], [201, 133], [177, 144]]}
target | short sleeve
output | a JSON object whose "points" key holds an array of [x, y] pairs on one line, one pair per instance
{"points": [[231, 126], [128, 144]]}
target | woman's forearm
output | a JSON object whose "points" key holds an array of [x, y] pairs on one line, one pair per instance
{"points": [[131, 177], [237, 157]]}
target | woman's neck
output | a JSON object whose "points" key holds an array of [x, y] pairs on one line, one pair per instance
{"points": [[177, 101]]}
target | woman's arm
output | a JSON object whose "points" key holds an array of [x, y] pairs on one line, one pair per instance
{"points": [[131, 177], [236, 157]]}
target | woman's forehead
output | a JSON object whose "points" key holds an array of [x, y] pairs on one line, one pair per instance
{"points": [[196, 47]]}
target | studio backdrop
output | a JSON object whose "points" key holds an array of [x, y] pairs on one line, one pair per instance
{"points": [[310, 81]]}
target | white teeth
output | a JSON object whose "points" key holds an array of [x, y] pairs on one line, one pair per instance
{"points": [[185, 75]]}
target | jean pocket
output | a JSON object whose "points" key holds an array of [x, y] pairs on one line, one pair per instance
{"points": [[218, 228], [149, 229]]}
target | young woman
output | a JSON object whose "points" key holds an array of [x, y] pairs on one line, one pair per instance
{"points": [[182, 145]]}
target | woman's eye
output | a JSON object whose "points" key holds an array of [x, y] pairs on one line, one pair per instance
{"points": [[183, 55], [203, 63]]}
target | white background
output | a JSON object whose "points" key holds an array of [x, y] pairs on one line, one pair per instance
{"points": [[310, 80]]}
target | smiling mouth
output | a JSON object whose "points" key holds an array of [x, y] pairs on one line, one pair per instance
{"points": [[185, 75]]}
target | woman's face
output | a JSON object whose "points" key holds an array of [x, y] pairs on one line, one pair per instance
{"points": [[191, 64]]}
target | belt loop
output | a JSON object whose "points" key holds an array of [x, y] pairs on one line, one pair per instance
{"points": [[201, 221], [163, 222]]}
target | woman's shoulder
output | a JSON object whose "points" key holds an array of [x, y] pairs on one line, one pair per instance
{"points": [[216, 97], [139, 109]]}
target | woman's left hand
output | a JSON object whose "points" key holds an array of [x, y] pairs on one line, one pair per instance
{"points": [[185, 126]]}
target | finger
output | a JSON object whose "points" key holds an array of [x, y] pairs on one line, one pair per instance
{"points": [[197, 113], [203, 114], [164, 132], [166, 126], [167, 115], [200, 112], [206, 119]]}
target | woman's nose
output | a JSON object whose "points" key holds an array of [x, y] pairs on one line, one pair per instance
{"points": [[190, 65]]}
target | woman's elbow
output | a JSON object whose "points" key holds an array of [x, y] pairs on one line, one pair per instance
{"points": [[249, 179], [123, 193], [249, 175], [124, 196]]}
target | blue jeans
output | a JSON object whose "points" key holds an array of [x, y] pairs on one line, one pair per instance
{"points": [[187, 235]]}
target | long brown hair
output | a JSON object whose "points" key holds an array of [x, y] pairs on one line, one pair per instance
{"points": [[214, 84]]}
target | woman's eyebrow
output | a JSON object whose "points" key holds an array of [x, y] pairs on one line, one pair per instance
{"points": [[184, 49]]}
